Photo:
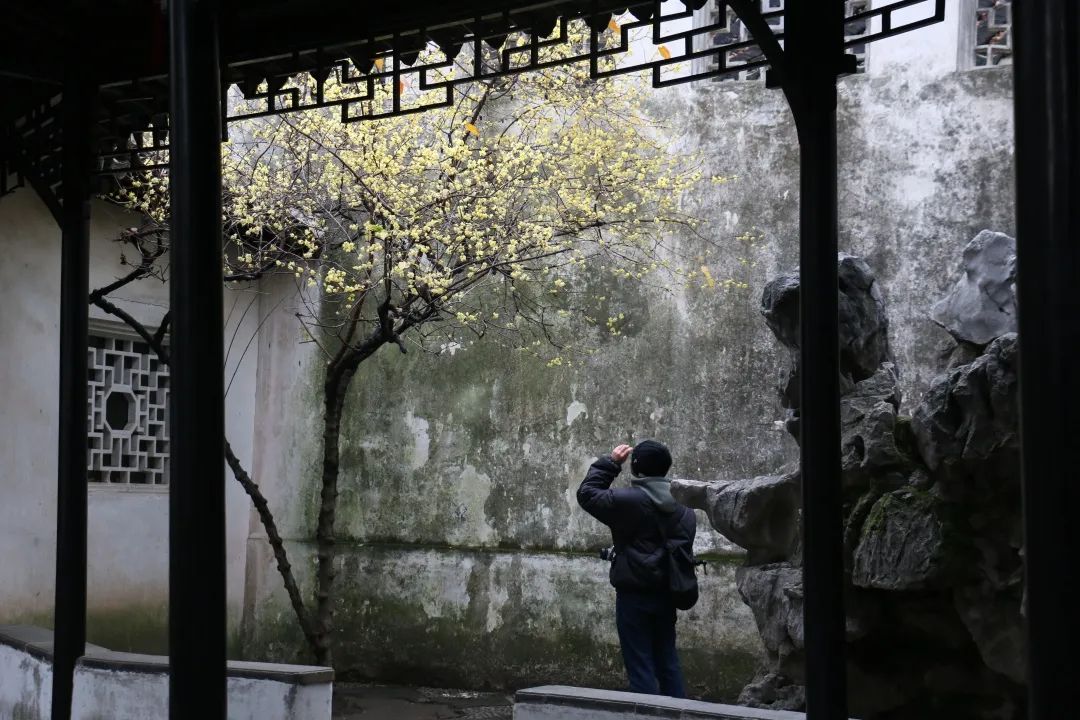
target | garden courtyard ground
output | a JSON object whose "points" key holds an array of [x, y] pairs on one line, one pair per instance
{"points": [[353, 701]]}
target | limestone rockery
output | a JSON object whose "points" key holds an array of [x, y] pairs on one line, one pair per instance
{"points": [[932, 529]]}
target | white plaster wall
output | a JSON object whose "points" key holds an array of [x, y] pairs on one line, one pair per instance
{"points": [[287, 443], [127, 526], [288, 394], [123, 695], [29, 346], [242, 318], [931, 50], [25, 685]]}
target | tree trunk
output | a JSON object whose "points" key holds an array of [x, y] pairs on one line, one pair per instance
{"points": [[338, 378]]}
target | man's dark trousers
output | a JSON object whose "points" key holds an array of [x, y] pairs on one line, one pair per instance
{"points": [[646, 623]]}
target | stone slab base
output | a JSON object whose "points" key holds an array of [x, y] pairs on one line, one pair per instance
{"points": [[560, 702], [127, 686]]}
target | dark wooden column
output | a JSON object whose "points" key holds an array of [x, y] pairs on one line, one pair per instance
{"points": [[197, 490], [814, 57], [1047, 72], [69, 624]]}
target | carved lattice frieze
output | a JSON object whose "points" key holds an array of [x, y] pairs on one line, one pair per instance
{"points": [[419, 68]]}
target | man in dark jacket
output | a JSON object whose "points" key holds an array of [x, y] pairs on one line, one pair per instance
{"points": [[644, 518]]}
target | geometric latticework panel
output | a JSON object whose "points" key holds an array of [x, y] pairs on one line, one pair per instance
{"points": [[127, 398], [408, 68], [993, 33], [855, 29], [733, 32]]}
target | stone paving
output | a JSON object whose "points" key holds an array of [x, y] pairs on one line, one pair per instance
{"points": [[354, 701]]}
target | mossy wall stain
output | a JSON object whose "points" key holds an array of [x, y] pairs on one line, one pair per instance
{"points": [[487, 446], [131, 628], [492, 619], [134, 627]]}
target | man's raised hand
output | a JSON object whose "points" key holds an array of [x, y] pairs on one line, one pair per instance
{"points": [[620, 453]]}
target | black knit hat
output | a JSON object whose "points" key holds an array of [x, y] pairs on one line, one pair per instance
{"points": [[650, 459]]}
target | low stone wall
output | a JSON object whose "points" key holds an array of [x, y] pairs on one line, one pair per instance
{"points": [[25, 672], [484, 619], [555, 702], [127, 686]]}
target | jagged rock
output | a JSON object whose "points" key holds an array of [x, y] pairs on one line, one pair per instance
{"points": [[934, 596], [904, 543], [758, 514], [882, 386], [982, 304], [780, 306], [853, 524], [692, 493], [774, 692], [925, 620], [969, 419], [862, 613], [920, 479], [870, 694], [958, 689], [954, 353], [995, 624], [868, 416], [774, 594], [990, 600], [864, 328]]}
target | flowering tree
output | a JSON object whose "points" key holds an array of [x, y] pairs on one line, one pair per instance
{"points": [[475, 218]]}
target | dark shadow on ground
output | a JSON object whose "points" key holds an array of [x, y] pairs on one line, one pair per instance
{"points": [[354, 701]]}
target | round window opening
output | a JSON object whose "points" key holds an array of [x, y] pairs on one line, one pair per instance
{"points": [[120, 410]]}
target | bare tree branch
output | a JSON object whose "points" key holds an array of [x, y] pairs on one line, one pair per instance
{"points": [[155, 341]]}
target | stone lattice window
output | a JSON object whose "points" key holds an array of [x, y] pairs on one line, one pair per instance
{"points": [[127, 405], [736, 32], [993, 33], [856, 29]]}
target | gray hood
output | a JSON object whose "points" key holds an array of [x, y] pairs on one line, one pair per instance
{"points": [[659, 491]]}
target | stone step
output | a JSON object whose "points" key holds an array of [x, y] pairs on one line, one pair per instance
{"points": [[561, 702]]}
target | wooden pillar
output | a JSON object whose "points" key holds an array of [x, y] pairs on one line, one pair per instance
{"points": [[1046, 36], [197, 620], [77, 116]]}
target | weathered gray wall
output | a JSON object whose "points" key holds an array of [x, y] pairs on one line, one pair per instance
{"points": [[483, 618], [926, 162], [465, 556]]}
